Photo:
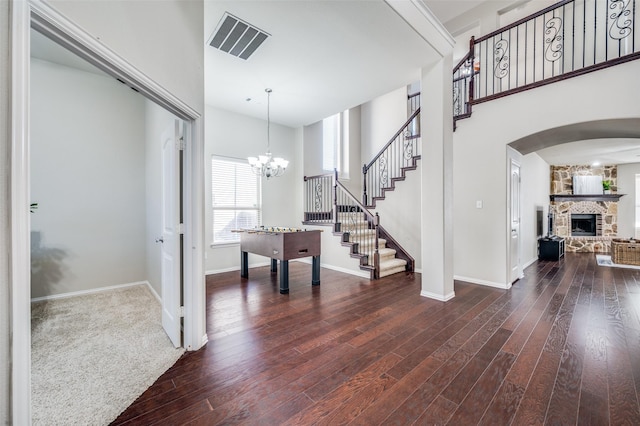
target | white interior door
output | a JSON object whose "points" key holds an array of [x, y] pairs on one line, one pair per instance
{"points": [[514, 241], [171, 230]]}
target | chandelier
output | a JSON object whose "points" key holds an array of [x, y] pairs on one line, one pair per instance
{"points": [[265, 165]]}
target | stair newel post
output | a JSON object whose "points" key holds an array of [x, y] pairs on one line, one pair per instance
{"points": [[335, 200], [472, 48], [364, 185], [376, 254]]}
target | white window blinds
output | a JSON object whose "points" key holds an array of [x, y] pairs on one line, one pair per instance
{"points": [[236, 198]]}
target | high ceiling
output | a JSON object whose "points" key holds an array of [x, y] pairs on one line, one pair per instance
{"points": [[322, 57], [325, 56]]}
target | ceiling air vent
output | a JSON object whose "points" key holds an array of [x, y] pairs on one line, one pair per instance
{"points": [[237, 37]]}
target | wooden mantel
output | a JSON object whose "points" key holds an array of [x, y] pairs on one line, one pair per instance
{"points": [[585, 197]]}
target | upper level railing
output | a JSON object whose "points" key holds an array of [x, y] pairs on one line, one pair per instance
{"points": [[564, 40], [397, 154]]}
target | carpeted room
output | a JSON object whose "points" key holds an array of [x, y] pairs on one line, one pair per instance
{"points": [[95, 173]]}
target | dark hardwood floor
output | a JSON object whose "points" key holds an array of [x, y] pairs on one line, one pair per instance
{"points": [[561, 347]]}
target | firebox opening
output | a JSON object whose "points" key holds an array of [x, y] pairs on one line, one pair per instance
{"points": [[583, 225]]}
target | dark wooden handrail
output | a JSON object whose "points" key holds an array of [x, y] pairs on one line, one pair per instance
{"points": [[523, 20], [464, 59], [570, 74], [402, 129], [306, 178]]}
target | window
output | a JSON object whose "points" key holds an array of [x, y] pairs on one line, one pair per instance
{"points": [[335, 144], [235, 197]]}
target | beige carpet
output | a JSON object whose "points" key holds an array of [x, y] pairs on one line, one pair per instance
{"points": [[93, 355]]}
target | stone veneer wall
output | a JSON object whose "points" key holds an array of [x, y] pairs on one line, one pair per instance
{"points": [[562, 177], [562, 183]]}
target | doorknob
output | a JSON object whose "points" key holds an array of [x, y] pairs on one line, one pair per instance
{"points": [[160, 240]]}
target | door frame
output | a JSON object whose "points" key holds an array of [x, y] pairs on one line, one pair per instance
{"points": [[47, 20], [513, 156]]}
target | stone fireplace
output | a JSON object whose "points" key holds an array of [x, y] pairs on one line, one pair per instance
{"points": [[588, 222]]}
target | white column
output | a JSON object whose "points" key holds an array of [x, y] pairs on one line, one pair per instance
{"points": [[437, 180]]}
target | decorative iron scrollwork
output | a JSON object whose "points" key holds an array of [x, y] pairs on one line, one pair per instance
{"points": [[384, 173], [317, 196], [501, 56], [353, 216], [553, 39], [457, 107], [621, 21], [408, 150]]}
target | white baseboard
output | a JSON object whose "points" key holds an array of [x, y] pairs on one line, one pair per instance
{"points": [[438, 297], [483, 282], [153, 291], [205, 340], [358, 273], [361, 274], [221, 271], [235, 268], [529, 263], [95, 290]]}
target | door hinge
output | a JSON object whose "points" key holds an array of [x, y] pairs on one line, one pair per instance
{"points": [[181, 145], [180, 228], [181, 311]]}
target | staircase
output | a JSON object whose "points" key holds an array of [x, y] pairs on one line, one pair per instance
{"points": [[395, 159], [328, 202], [357, 233]]}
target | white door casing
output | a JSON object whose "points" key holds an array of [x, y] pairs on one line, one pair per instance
{"points": [[515, 264], [171, 230], [41, 16]]}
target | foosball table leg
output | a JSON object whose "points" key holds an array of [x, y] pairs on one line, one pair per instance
{"points": [[244, 264], [284, 276], [315, 271]]}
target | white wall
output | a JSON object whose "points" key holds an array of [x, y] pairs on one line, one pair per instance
{"points": [[534, 185], [5, 208], [163, 39], [380, 119], [87, 176], [233, 135], [488, 16], [479, 152], [627, 204], [484, 16]]}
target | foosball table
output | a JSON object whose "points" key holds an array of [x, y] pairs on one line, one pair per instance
{"points": [[280, 244]]}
